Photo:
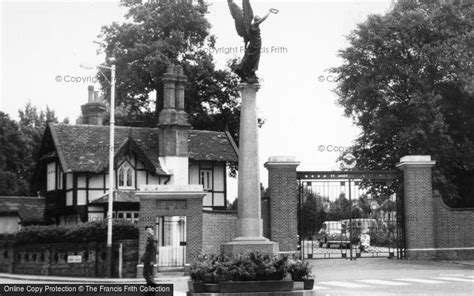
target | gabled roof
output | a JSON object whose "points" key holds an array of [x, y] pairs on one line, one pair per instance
{"points": [[85, 148], [27, 208]]}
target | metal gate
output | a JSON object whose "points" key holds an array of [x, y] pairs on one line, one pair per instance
{"points": [[350, 214]]}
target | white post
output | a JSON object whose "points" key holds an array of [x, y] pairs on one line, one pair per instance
{"points": [[120, 260], [111, 170]]}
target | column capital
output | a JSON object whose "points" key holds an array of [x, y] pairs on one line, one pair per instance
{"points": [[416, 161], [282, 162], [244, 85]]}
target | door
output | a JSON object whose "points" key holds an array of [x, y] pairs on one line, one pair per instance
{"points": [[171, 234]]}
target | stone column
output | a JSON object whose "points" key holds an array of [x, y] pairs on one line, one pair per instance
{"points": [[283, 201], [249, 221], [418, 206]]}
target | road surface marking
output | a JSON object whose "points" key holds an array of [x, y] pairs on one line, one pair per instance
{"points": [[448, 278], [382, 282], [423, 281], [344, 284], [319, 288]]}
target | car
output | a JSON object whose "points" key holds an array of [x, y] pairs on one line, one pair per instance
{"points": [[333, 233]]}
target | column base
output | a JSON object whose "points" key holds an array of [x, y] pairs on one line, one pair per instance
{"points": [[245, 244]]}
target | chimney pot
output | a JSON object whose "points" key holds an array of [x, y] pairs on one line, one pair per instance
{"points": [[90, 89], [170, 69]]}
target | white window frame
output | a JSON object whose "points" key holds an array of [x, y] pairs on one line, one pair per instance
{"points": [[122, 215], [123, 171], [205, 179], [51, 176]]}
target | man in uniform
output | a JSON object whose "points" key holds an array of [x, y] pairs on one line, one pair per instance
{"points": [[149, 257]]}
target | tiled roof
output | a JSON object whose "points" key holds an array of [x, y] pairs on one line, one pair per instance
{"points": [[28, 208], [119, 196], [210, 145], [85, 148]]}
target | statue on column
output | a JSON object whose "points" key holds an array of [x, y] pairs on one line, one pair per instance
{"points": [[247, 26]]}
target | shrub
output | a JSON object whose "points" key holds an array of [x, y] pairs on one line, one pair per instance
{"points": [[299, 270], [380, 239], [79, 233], [252, 266]]}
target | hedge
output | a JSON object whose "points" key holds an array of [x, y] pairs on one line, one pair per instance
{"points": [[79, 233]]}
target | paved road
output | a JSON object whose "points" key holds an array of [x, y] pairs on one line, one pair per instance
{"points": [[363, 277], [392, 277]]}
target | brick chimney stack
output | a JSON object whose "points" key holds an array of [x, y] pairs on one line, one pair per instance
{"points": [[174, 126], [93, 111]]}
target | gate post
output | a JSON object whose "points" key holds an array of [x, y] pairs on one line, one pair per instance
{"points": [[283, 201], [418, 206]]}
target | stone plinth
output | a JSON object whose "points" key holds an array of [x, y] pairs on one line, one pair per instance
{"points": [[249, 222]]}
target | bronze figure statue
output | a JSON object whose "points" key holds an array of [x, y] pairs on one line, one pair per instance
{"points": [[248, 27]]}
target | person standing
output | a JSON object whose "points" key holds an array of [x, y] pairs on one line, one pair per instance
{"points": [[149, 257]]}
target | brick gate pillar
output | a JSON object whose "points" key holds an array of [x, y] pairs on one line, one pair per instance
{"points": [[283, 201], [418, 206], [171, 200]]}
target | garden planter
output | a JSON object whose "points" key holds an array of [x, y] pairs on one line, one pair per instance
{"points": [[298, 285], [211, 288], [308, 284], [195, 287], [255, 286]]}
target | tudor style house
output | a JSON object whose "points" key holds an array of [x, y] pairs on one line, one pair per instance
{"points": [[72, 173]]}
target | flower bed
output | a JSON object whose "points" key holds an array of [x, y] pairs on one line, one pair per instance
{"points": [[249, 272]]}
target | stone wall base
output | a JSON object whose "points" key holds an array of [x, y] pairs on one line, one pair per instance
{"points": [[244, 244], [140, 270], [441, 254], [280, 293]]}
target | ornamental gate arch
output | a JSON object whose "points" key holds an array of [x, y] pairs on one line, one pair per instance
{"points": [[338, 208], [290, 189]]}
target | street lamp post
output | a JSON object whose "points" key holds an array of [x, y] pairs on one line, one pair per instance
{"points": [[111, 171], [111, 161]]}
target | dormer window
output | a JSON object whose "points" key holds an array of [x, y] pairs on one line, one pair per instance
{"points": [[125, 176]]}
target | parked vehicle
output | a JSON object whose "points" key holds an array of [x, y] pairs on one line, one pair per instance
{"points": [[332, 233], [360, 226]]}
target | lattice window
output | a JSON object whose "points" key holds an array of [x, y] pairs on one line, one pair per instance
{"points": [[126, 176]]}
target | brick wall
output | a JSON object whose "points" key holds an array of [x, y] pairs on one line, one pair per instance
{"points": [[218, 227], [51, 259], [6, 256], [433, 230], [283, 202], [454, 230]]}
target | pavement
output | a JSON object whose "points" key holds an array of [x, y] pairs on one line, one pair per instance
{"points": [[162, 277], [378, 276]]}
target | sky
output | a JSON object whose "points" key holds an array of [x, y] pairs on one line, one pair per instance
{"points": [[43, 44]]}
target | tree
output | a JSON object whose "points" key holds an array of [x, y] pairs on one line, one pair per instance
{"points": [[311, 215], [307, 217], [13, 170], [158, 33], [406, 81], [21, 143]]}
